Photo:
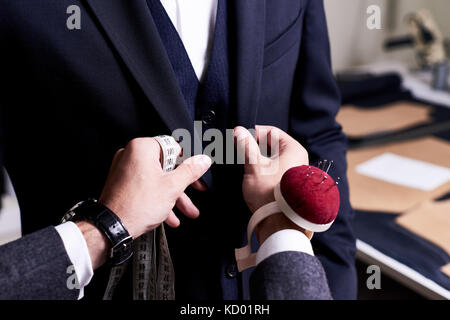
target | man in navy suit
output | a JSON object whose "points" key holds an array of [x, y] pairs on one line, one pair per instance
{"points": [[70, 97]]}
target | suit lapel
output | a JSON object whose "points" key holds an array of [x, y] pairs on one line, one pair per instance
{"points": [[249, 45], [130, 28]]}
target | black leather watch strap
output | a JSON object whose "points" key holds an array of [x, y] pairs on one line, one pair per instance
{"points": [[110, 224]]}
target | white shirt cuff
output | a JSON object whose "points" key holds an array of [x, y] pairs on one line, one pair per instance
{"points": [[282, 241], [78, 252]]}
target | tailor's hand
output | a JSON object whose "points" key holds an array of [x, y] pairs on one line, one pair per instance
{"points": [[142, 195], [262, 174]]}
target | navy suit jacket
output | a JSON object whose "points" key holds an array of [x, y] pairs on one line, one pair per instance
{"points": [[70, 98]]}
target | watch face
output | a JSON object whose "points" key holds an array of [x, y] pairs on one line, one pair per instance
{"points": [[68, 217], [71, 215]]}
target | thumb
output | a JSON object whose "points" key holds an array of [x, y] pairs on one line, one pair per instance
{"points": [[247, 148], [190, 170]]}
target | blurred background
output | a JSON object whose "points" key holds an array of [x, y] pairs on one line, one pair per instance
{"points": [[353, 44], [396, 113]]}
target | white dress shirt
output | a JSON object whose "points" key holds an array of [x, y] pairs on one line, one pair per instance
{"points": [[78, 252], [195, 23]]}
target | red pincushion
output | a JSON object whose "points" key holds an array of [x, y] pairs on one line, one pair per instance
{"points": [[312, 196]]}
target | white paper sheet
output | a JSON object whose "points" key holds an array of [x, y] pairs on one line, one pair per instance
{"points": [[404, 171]]}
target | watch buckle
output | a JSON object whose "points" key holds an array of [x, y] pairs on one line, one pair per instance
{"points": [[128, 240]]}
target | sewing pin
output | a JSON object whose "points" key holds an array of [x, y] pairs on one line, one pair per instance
{"points": [[329, 166]]}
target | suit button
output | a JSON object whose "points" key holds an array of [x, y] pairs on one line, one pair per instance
{"points": [[208, 117], [231, 271]]}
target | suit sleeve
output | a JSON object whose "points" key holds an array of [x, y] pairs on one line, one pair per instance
{"points": [[289, 276], [37, 267], [316, 101]]}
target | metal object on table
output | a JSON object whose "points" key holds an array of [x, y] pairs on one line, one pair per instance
{"points": [[427, 40]]}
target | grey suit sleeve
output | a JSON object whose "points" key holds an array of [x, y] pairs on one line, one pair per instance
{"points": [[36, 267], [289, 276]]}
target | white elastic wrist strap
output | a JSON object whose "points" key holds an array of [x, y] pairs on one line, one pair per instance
{"points": [[244, 257], [294, 217]]}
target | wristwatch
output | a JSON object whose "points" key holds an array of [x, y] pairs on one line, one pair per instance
{"points": [[107, 222]]}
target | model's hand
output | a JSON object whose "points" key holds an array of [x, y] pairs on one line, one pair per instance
{"points": [[262, 174], [142, 195]]}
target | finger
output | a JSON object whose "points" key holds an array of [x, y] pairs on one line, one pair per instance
{"points": [[116, 160], [185, 205], [282, 146], [189, 171], [118, 156], [147, 149], [276, 139], [247, 146], [172, 220], [261, 131], [199, 185], [273, 134]]}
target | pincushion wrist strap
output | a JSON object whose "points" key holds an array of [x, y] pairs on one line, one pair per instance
{"points": [[244, 257]]}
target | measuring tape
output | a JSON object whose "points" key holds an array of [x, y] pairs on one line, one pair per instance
{"points": [[170, 150], [153, 272]]}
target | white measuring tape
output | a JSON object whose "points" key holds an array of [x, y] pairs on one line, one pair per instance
{"points": [[153, 272], [170, 150]]}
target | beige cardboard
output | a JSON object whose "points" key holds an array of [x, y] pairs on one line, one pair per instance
{"points": [[431, 221], [358, 123], [376, 195]]}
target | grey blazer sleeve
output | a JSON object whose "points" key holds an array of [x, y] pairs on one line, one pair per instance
{"points": [[289, 276], [36, 267]]}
